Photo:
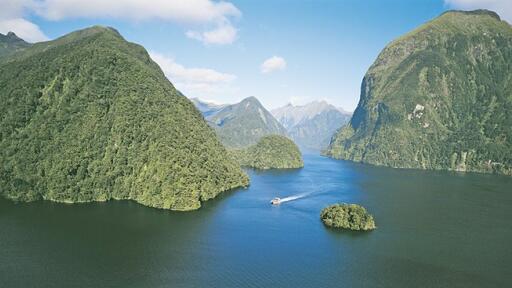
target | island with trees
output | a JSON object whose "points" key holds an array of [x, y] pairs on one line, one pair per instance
{"points": [[271, 152], [347, 216]]}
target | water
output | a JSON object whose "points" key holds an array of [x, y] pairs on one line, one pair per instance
{"points": [[435, 229]]}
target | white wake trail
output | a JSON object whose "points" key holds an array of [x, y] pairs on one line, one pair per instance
{"points": [[301, 195], [294, 197]]}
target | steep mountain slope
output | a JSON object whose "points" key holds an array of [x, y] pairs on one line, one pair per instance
{"points": [[90, 117], [11, 43], [207, 108], [437, 98], [243, 124], [312, 125]]}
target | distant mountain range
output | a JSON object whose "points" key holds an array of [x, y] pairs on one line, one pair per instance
{"points": [[207, 108], [11, 43], [241, 124], [312, 125]]}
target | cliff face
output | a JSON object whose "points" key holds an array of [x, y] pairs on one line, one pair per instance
{"points": [[437, 98]]}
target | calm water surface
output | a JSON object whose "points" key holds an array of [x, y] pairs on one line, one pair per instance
{"points": [[435, 229]]}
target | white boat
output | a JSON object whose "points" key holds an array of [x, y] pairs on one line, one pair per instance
{"points": [[275, 201]]}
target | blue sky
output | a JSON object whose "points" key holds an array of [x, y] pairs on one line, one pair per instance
{"points": [[316, 50]]}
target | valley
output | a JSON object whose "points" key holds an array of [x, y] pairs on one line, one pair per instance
{"points": [[213, 144]]}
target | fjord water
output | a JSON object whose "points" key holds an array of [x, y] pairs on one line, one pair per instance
{"points": [[435, 229]]}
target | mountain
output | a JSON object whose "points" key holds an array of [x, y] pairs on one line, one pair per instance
{"points": [[207, 108], [312, 125], [11, 43], [243, 124], [438, 97], [90, 117], [271, 152], [292, 115]]}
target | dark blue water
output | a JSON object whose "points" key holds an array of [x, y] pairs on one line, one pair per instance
{"points": [[435, 229]]}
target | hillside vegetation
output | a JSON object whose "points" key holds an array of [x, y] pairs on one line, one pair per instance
{"points": [[90, 117], [273, 151], [437, 98]]}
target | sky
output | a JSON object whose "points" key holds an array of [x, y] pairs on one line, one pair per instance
{"points": [[281, 51]]}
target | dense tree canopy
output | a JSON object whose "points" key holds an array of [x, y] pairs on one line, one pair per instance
{"points": [[90, 117], [347, 216], [273, 151]]}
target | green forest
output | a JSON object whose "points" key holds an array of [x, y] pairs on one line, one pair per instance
{"points": [[347, 216], [437, 98], [90, 117], [272, 151]]}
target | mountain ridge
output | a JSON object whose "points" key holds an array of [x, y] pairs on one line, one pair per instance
{"points": [[242, 124], [90, 117], [11, 43], [431, 99], [311, 125], [207, 108]]}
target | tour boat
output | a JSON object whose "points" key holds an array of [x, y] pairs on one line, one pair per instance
{"points": [[275, 201]]}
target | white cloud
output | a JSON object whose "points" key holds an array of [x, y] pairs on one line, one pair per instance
{"points": [[223, 34], [11, 19], [213, 17], [24, 29], [272, 64], [199, 11], [193, 81], [502, 7]]}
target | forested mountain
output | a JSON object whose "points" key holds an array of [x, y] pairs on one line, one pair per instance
{"points": [[207, 108], [243, 124], [11, 43], [439, 97], [90, 117], [312, 125], [271, 152]]}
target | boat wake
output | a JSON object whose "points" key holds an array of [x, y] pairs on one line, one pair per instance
{"points": [[294, 197], [277, 201]]}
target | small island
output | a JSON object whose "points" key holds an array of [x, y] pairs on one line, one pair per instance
{"points": [[271, 152], [347, 216]]}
